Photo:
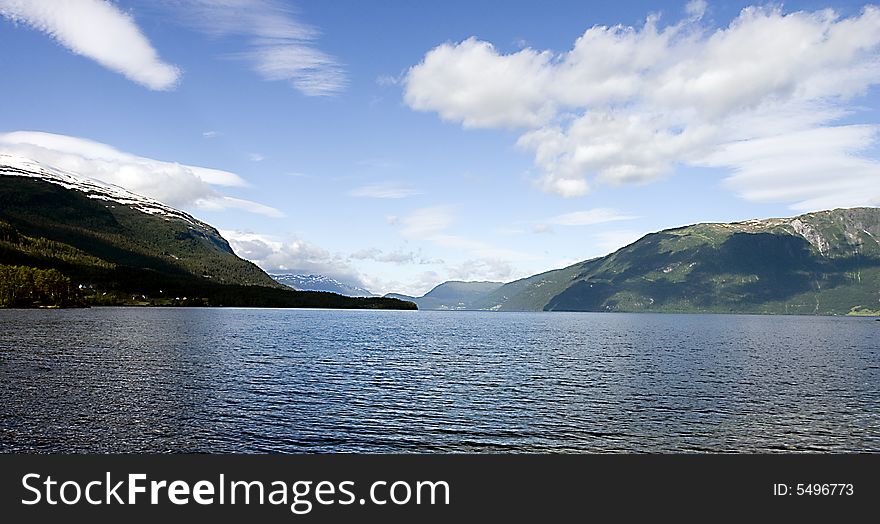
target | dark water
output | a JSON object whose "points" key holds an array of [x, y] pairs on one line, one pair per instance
{"points": [[227, 380]]}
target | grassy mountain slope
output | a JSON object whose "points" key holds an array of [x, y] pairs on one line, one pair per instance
{"points": [[819, 263], [123, 236]]}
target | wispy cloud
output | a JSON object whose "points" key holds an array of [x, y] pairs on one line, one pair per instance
{"points": [[490, 269], [98, 30], [627, 105], [589, 217], [542, 229], [819, 168], [210, 134], [384, 190], [175, 184], [484, 261], [479, 249], [399, 256], [414, 286], [390, 80], [378, 163], [256, 157], [432, 224], [696, 9], [221, 202], [279, 47], [427, 222]]}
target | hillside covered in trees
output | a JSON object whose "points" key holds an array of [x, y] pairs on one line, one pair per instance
{"points": [[820, 263], [22, 286], [63, 245]]}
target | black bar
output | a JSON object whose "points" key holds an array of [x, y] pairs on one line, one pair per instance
{"points": [[544, 488]]}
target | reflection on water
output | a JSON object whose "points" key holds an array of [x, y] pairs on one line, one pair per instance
{"points": [[234, 380]]}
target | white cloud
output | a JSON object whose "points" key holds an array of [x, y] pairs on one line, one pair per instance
{"points": [[293, 255], [389, 80], [177, 185], [432, 223], [485, 261], [486, 269], [817, 168], [220, 203], [426, 281], [542, 229], [384, 190], [478, 248], [399, 256], [427, 222], [279, 47], [512, 231], [98, 30], [378, 163], [599, 215], [210, 134], [628, 104], [415, 286], [367, 254], [256, 157], [696, 8], [472, 83]]}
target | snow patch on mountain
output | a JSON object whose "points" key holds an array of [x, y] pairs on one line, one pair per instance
{"points": [[13, 165], [320, 283]]}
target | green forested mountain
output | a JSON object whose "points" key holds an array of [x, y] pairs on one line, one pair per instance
{"points": [[819, 263], [118, 248]]}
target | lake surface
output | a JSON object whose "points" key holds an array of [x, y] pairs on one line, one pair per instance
{"points": [[250, 380]]}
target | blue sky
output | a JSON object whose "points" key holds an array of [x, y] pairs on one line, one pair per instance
{"points": [[400, 144]]}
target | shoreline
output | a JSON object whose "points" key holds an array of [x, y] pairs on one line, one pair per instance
{"points": [[453, 311]]}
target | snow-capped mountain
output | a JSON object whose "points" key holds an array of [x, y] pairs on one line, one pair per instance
{"points": [[320, 283], [109, 246], [112, 239], [13, 165]]}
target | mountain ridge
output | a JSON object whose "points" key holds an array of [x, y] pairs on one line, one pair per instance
{"points": [[776, 265]]}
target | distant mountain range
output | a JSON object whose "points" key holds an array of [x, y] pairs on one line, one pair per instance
{"points": [[320, 283], [454, 295], [70, 240], [825, 263]]}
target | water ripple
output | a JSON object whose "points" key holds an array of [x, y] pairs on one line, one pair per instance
{"points": [[278, 381]]}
